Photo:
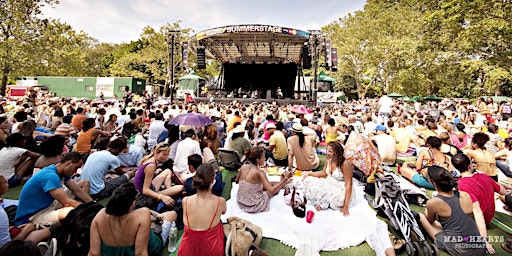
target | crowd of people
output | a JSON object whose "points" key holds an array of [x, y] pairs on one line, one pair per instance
{"points": [[72, 151]]}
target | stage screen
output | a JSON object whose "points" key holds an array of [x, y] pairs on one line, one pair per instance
{"points": [[265, 77]]}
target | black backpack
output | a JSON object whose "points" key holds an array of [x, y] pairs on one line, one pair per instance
{"points": [[75, 233]]}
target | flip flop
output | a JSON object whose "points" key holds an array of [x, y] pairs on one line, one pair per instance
{"points": [[507, 246]]}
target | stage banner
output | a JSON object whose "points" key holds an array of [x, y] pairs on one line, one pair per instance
{"points": [[105, 85], [252, 28]]}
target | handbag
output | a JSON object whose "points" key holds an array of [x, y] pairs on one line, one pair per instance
{"points": [[241, 234]]}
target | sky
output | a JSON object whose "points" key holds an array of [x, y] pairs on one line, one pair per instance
{"points": [[117, 21]]}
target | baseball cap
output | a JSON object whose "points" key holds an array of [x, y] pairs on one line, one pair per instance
{"points": [[380, 127]]}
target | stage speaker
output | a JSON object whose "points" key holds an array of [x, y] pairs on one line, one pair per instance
{"points": [[306, 58], [334, 59], [184, 55], [328, 48], [201, 58], [269, 95]]}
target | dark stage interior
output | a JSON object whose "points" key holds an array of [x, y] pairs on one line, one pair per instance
{"points": [[260, 76]]}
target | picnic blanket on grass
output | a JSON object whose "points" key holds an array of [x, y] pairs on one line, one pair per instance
{"points": [[329, 231]]}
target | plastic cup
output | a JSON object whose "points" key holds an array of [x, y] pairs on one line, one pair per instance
{"points": [[309, 216]]}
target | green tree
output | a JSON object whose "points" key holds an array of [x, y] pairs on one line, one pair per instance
{"points": [[20, 27]]}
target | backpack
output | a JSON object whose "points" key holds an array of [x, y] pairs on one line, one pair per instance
{"points": [[75, 233]]}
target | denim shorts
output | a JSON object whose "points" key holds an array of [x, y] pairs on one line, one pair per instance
{"points": [[14, 181]]}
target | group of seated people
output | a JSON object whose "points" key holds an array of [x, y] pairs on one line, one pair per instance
{"points": [[143, 163]]}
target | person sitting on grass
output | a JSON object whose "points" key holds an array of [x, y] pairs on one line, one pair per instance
{"points": [[481, 189], [43, 201], [118, 229], [51, 150], [255, 190], [204, 234], [16, 162], [100, 164], [430, 157], [194, 161], [23, 232], [149, 179], [448, 217], [483, 158]]}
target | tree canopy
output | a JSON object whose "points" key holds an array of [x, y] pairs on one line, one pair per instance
{"points": [[448, 48]]}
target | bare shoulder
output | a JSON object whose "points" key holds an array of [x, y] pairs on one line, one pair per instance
{"points": [[141, 215]]}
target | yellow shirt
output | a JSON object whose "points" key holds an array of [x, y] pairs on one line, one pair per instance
{"points": [[280, 151], [403, 139]]}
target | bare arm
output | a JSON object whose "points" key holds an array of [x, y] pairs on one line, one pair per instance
{"points": [[347, 169], [63, 198], [273, 189], [142, 236], [419, 161], [31, 154], [95, 240], [78, 192], [430, 210], [480, 224]]}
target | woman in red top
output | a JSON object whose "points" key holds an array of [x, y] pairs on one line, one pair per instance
{"points": [[204, 234]]}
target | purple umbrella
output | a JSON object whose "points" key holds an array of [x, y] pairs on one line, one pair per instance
{"points": [[192, 119]]}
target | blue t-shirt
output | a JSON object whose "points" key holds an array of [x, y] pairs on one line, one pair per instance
{"points": [[97, 166], [132, 158], [35, 195]]}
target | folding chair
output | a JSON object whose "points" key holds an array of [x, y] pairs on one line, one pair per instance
{"points": [[229, 159]]}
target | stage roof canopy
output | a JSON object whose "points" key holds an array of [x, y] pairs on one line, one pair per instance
{"points": [[254, 43]]}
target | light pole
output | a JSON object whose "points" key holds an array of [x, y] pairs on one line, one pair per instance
{"points": [[314, 40], [171, 36]]}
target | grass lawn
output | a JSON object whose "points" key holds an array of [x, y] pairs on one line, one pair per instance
{"points": [[274, 247]]}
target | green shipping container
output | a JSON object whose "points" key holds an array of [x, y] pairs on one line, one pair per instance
{"points": [[89, 87]]}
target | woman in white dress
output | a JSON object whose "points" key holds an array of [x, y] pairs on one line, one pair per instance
{"points": [[335, 191]]}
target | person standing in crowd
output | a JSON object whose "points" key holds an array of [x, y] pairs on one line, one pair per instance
{"points": [[203, 234], [385, 103]]}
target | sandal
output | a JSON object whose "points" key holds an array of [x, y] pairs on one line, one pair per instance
{"points": [[507, 246]]}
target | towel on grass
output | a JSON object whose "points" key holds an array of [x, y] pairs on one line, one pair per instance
{"points": [[329, 231]]}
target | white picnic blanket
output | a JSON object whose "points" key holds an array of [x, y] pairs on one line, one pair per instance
{"points": [[329, 231]]}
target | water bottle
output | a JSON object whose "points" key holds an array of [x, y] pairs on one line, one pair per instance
{"points": [[173, 237]]}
